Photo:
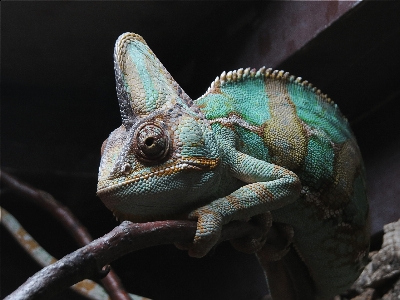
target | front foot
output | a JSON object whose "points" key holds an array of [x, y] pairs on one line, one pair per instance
{"points": [[209, 226]]}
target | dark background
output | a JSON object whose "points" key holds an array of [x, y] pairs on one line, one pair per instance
{"points": [[58, 104]]}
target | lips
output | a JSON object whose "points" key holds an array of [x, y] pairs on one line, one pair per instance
{"points": [[194, 163]]}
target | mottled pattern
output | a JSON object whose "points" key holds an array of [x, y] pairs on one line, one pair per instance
{"points": [[256, 141]]}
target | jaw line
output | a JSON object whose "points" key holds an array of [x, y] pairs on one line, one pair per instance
{"points": [[197, 164]]}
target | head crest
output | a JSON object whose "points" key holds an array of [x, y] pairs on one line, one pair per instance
{"points": [[143, 84]]}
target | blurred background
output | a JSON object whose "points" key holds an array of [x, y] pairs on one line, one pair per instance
{"points": [[58, 104]]}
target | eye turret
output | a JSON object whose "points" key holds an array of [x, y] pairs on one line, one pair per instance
{"points": [[151, 142]]}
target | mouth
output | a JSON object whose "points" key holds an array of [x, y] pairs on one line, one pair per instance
{"points": [[194, 163]]}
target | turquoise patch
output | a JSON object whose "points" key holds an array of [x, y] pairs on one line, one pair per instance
{"points": [[137, 52], [246, 98], [251, 144], [318, 165], [191, 135], [319, 114]]}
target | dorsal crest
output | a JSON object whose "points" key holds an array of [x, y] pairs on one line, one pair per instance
{"points": [[143, 84], [268, 74]]}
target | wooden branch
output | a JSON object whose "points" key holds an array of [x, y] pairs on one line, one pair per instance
{"points": [[46, 201], [88, 262], [62, 214], [86, 288]]}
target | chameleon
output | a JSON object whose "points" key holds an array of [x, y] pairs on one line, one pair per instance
{"points": [[259, 145]]}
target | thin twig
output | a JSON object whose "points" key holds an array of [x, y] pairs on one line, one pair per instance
{"points": [[88, 262], [61, 213], [86, 288]]}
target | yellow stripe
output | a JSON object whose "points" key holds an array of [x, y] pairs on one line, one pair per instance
{"points": [[284, 134]]}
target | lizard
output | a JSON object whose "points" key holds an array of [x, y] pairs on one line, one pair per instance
{"points": [[259, 145]]}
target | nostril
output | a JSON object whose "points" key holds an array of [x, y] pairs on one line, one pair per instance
{"points": [[126, 169]]}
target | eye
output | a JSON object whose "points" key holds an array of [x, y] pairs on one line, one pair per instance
{"points": [[151, 142]]}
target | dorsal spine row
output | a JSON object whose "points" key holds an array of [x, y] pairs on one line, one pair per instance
{"points": [[243, 74]]}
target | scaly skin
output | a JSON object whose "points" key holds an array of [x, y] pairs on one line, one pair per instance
{"points": [[257, 142]]}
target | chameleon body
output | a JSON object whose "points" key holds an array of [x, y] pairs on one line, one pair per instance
{"points": [[257, 143]]}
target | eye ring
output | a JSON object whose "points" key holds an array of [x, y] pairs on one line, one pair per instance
{"points": [[151, 142]]}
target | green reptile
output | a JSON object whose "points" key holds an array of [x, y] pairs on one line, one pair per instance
{"points": [[258, 144]]}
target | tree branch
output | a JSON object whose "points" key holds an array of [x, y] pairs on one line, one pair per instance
{"points": [[62, 214], [86, 288], [88, 262]]}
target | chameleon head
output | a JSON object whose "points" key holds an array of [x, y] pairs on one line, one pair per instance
{"points": [[163, 160]]}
